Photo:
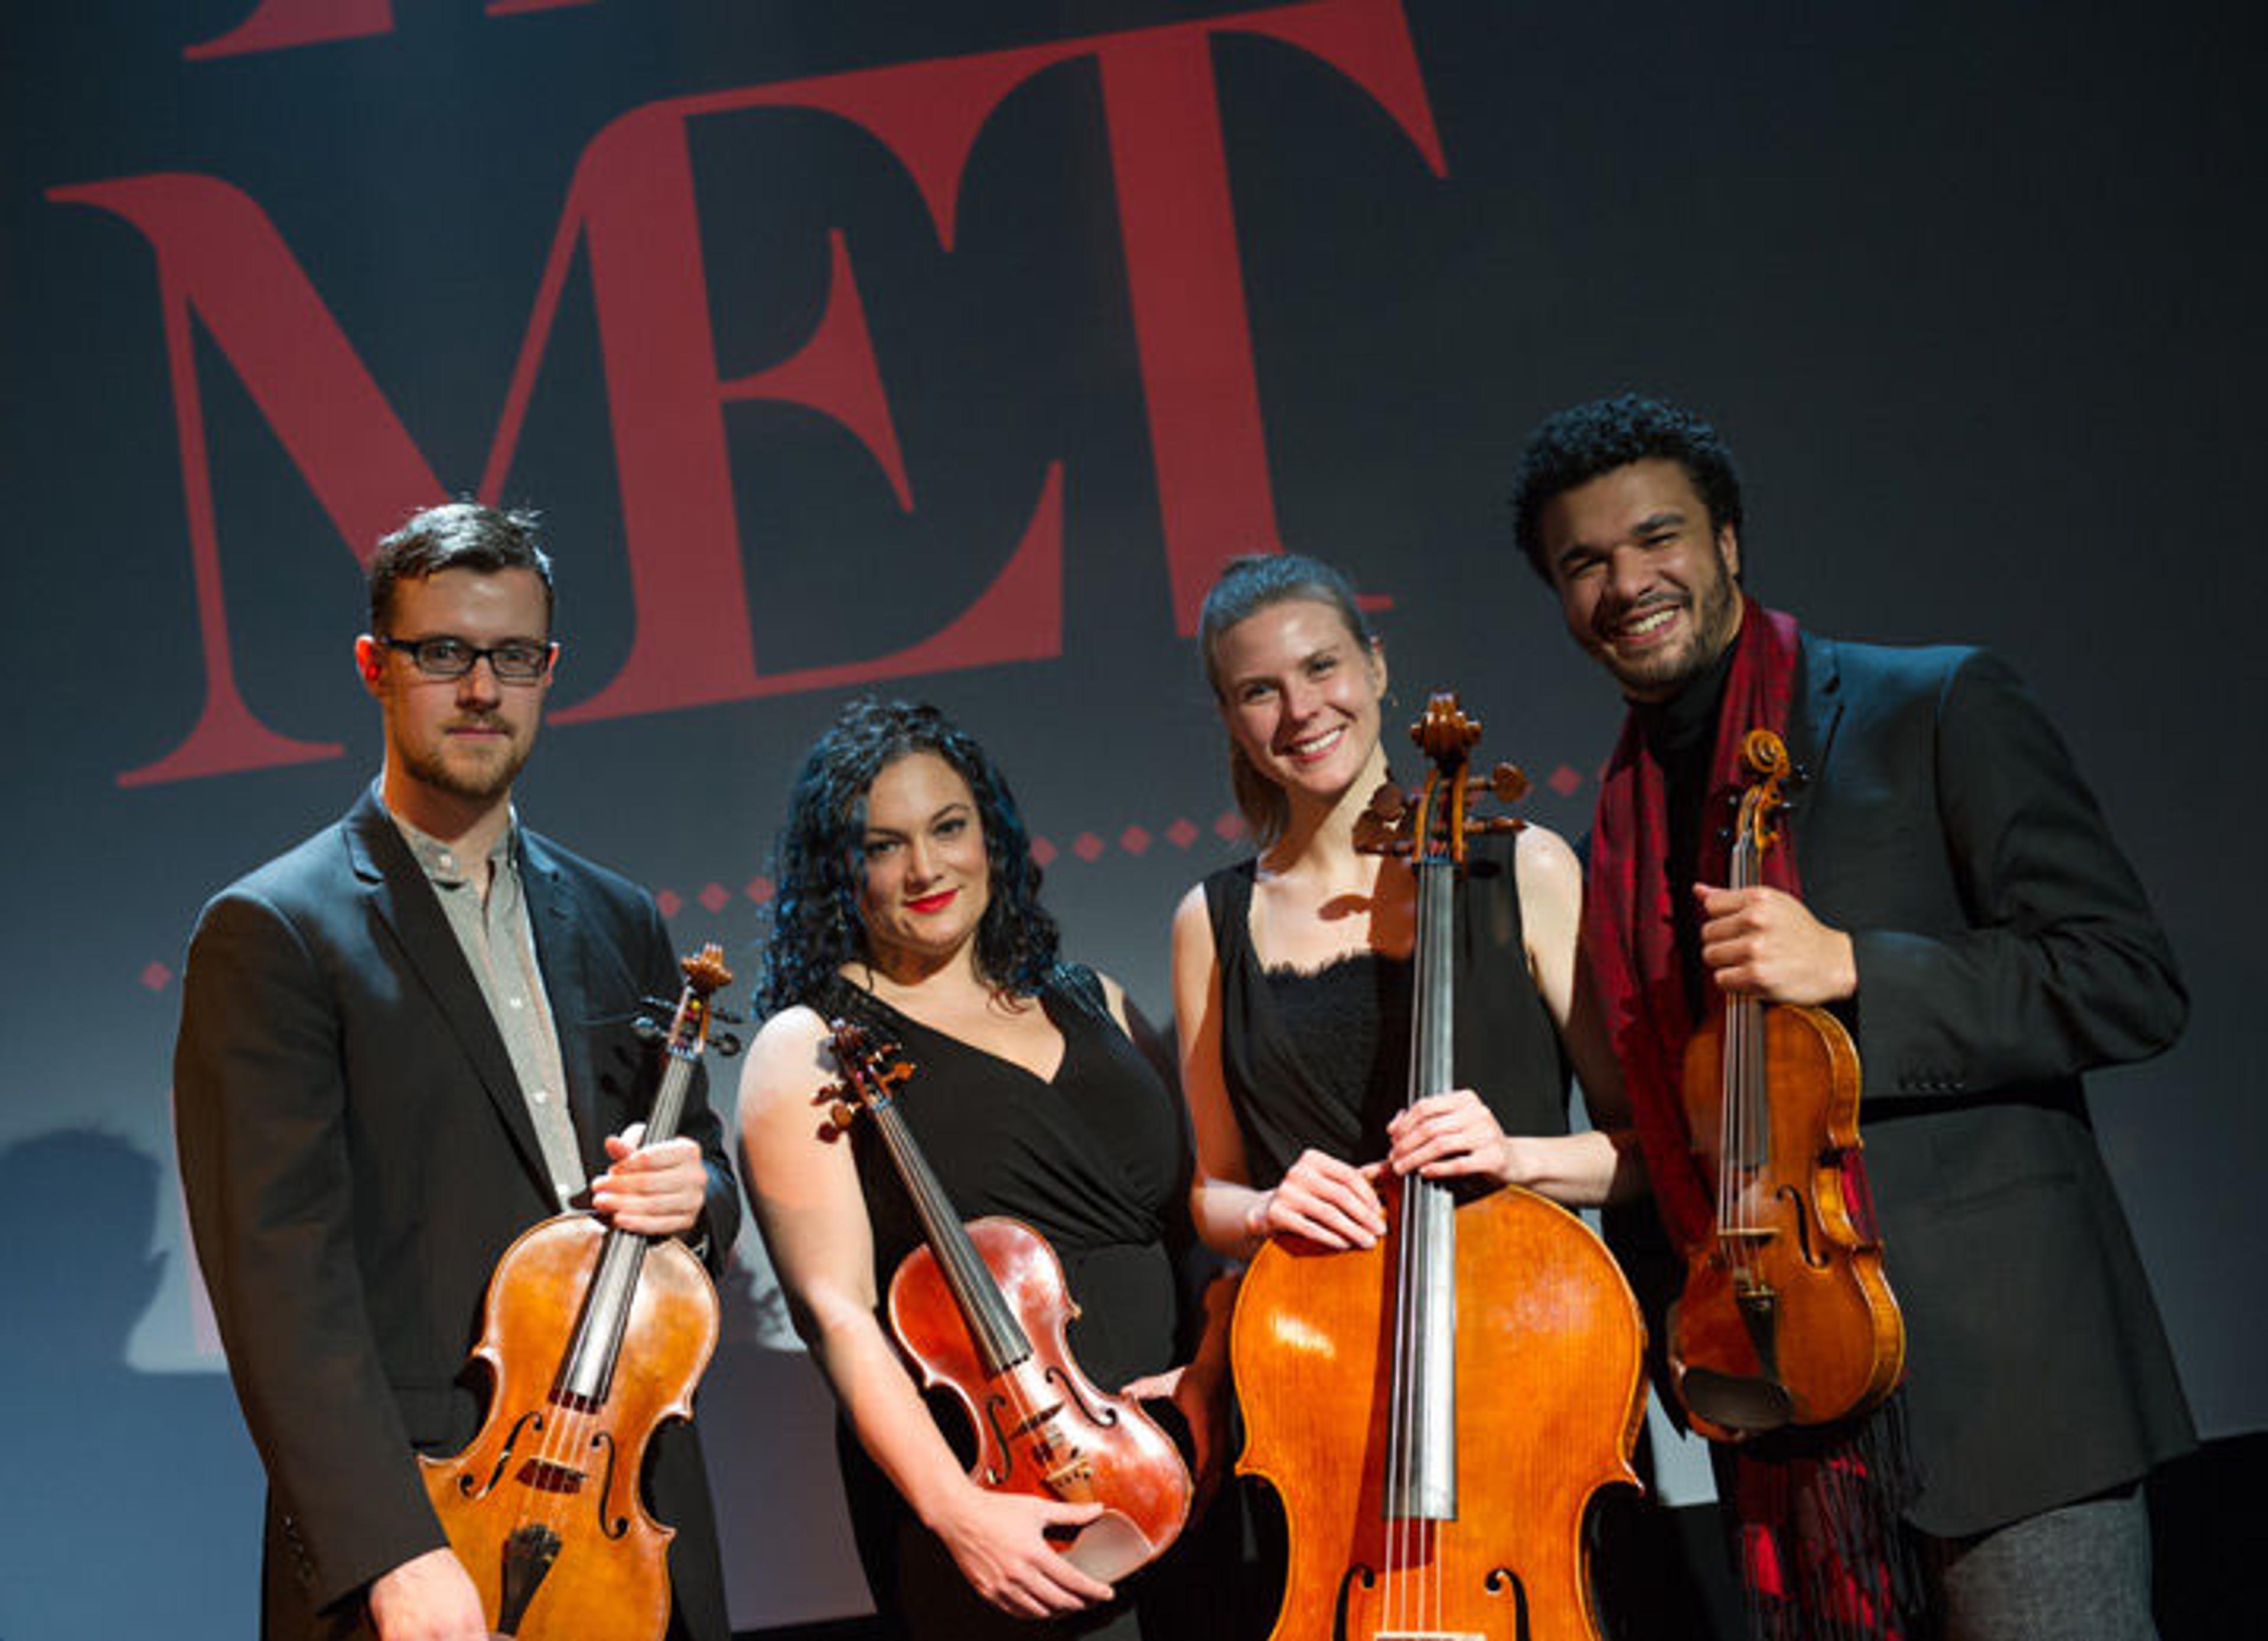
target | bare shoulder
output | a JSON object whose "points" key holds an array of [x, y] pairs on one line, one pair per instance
{"points": [[1545, 865], [789, 1059], [1193, 920]]}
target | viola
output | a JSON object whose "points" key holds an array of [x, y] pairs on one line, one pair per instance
{"points": [[1437, 1411], [592, 1336], [1786, 1315], [982, 1310]]}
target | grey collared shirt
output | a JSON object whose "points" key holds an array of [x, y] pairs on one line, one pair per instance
{"points": [[499, 944]]}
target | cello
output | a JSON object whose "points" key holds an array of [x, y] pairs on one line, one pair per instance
{"points": [[982, 1310], [1436, 1411], [1786, 1316], [591, 1338]]}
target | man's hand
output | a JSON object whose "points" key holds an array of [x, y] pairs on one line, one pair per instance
{"points": [[655, 1190], [1764, 943], [428, 1598]]}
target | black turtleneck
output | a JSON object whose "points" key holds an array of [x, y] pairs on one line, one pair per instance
{"points": [[1681, 732]]}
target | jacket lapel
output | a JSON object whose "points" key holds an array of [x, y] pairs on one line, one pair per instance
{"points": [[1815, 717], [401, 899]]}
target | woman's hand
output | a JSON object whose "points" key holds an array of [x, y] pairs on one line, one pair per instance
{"points": [[999, 1542], [1330, 1203], [1450, 1136]]}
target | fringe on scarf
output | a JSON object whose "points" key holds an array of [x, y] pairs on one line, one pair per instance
{"points": [[1819, 1536]]}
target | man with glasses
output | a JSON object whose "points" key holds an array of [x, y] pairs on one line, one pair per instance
{"points": [[402, 1043]]}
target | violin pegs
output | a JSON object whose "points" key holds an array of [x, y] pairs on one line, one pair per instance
{"points": [[842, 1114]]}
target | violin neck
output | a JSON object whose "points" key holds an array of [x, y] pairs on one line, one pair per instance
{"points": [[1745, 1130], [1422, 1478], [586, 1376], [1001, 1340]]}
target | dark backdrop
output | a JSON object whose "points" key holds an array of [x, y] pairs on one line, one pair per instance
{"points": [[948, 349]]}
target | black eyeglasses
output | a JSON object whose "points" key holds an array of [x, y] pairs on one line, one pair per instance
{"points": [[514, 661]]}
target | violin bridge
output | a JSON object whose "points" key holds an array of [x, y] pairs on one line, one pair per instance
{"points": [[546, 1477], [1073, 1480]]}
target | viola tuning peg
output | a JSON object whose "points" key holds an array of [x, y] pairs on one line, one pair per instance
{"points": [[842, 1114], [648, 1029], [1508, 782], [725, 1043]]}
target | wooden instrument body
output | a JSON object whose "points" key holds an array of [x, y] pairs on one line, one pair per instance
{"points": [[1550, 1400], [592, 1335], [576, 1471], [1834, 1344], [1042, 1427]]}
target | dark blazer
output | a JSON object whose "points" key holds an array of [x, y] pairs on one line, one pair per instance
{"points": [[357, 1154], [2003, 947]]}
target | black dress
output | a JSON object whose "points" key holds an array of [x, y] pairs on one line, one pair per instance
{"points": [[1095, 1159], [1321, 1059]]}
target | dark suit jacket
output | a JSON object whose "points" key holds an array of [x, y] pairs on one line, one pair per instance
{"points": [[357, 1154], [2003, 945]]}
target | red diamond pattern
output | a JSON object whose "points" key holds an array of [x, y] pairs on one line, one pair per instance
{"points": [[1182, 834], [1564, 781], [154, 975], [760, 890], [1230, 826], [1134, 841], [669, 902], [1089, 847], [716, 897], [1043, 852]]}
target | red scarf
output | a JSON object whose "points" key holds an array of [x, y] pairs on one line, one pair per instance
{"points": [[1630, 929], [1816, 1511]]}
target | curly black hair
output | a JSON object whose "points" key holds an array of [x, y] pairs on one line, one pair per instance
{"points": [[1575, 445], [816, 858]]}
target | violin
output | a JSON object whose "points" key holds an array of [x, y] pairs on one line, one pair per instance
{"points": [[592, 1336], [1786, 1316], [981, 1309], [1436, 1411]]}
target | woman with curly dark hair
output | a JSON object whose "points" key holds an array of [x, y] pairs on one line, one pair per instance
{"points": [[908, 901]]}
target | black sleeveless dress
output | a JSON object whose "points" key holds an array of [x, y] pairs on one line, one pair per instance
{"points": [[1095, 1159], [1321, 1059]]}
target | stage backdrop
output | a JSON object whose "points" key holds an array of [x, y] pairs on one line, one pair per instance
{"points": [[949, 350]]}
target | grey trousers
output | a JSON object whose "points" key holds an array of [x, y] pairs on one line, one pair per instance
{"points": [[2078, 1573]]}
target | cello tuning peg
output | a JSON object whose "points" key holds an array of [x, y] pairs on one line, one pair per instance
{"points": [[841, 1113], [1508, 782], [649, 1030], [725, 1043]]}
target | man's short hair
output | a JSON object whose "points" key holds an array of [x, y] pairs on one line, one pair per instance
{"points": [[1575, 445], [456, 535]]}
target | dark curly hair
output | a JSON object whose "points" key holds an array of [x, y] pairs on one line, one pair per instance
{"points": [[816, 858], [1575, 445], [1247, 585]]}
